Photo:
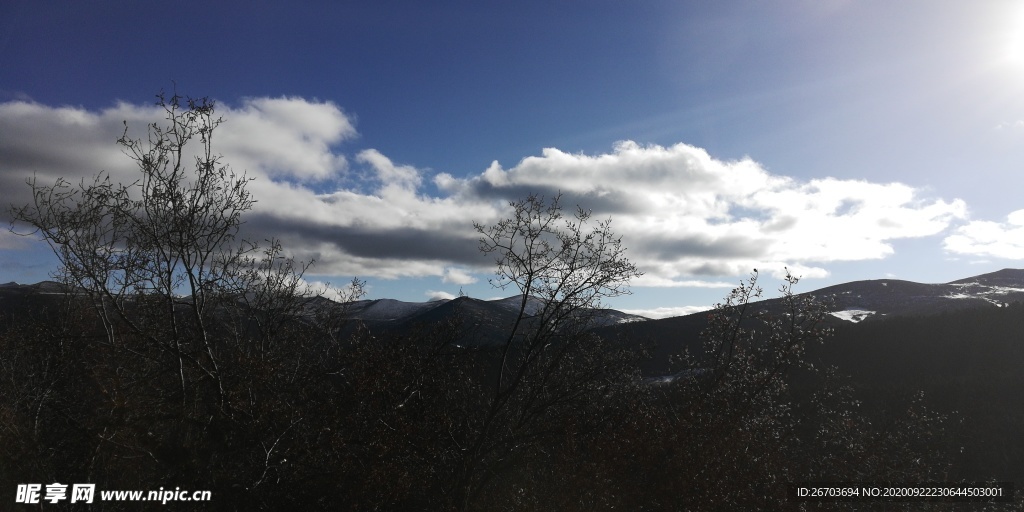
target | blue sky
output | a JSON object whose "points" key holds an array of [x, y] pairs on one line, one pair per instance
{"points": [[847, 140]]}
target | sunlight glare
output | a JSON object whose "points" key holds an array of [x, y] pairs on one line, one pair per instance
{"points": [[1013, 49]]}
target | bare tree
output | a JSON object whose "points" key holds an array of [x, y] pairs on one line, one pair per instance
{"points": [[166, 238], [562, 268], [558, 262], [212, 351]]}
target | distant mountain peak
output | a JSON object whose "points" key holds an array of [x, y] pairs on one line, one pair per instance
{"points": [[873, 299], [1013, 277]]}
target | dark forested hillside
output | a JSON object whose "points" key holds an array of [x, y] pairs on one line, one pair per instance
{"points": [[961, 355], [967, 363]]}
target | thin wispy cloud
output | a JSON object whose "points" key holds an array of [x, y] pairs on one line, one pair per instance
{"points": [[1014, 125], [687, 218]]}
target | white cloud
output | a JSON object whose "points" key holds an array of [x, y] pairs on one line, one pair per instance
{"points": [[654, 281], [683, 214], [433, 295], [402, 177], [284, 138], [666, 312], [797, 270], [268, 138], [990, 239], [457, 276]]}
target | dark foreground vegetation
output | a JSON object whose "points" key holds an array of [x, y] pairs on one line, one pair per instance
{"points": [[178, 356], [967, 364]]}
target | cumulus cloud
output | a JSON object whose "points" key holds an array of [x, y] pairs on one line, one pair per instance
{"points": [[990, 239], [284, 138], [684, 213], [686, 217], [271, 139], [404, 178], [457, 276]]}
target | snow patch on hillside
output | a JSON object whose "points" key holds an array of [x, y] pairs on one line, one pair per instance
{"points": [[852, 315], [1003, 290], [631, 319], [982, 292]]}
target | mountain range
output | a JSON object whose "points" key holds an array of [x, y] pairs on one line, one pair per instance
{"points": [[856, 301]]}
